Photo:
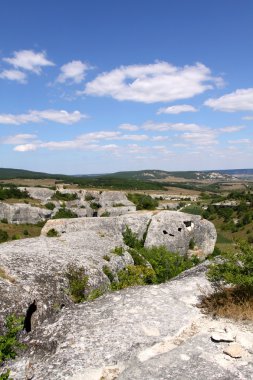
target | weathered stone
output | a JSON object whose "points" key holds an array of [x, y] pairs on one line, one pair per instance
{"points": [[41, 193], [222, 337], [175, 230], [234, 350], [23, 213]]}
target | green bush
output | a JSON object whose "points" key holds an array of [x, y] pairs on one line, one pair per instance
{"points": [[3, 236], [52, 233], [118, 251], [26, 232], [64, 213], [50, 205], [5, 375], [64, 196], [4, 220], [12, 192], [89, 197], [134, 275], [131, 239], [107, 271], [143, 201], [191, 244], [9, 343], [236, 268], [166, 264], [78, 281], [95, 205]]}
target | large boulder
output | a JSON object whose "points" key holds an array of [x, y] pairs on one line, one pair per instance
{"points": [[23, 213], [175, 230], [41, 193]]}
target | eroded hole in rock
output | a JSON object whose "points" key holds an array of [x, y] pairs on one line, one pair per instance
{"points": [[188, 223], [95, 214], [179, 229], [27, 322], [171, 235], [165, 232]]}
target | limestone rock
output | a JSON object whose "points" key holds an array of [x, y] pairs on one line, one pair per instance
{"points": [[234, 350], [23, 213], [41, 193], [222, 337], [175, 230]]}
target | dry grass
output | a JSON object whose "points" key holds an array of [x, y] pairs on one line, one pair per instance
{"points": [[6, 276], [235, 303]]}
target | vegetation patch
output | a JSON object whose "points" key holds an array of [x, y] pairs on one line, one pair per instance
{"points": [[64, 196], [9, 342], [12, 192], [52, 233], [78, 281], [134, 275], [143, 201], [232, 280], [50, 205], [64, 213], [118, 251]]}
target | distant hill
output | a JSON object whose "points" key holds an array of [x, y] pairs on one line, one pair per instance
{"points": [[7, 173]]}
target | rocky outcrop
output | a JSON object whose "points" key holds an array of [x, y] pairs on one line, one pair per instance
{"points": [[153, 332], [39, 265], [41, 193], [23, 213], [175, 230]]}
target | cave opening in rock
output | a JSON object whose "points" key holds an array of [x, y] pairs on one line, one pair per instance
{"points": [[27, 322], [179, 229], [165, 232], [188, 223]]}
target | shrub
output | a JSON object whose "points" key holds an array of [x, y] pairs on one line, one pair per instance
{"points": [[106, 258], [232, 279], [50, 205], [4, 220], [143, 201], [118, 205], [3, 236], [95, 205], [118, 251], [130, 238], [166, 264], [64, 196], [64, 213], [52, 233], [134, 275], [25, 232], [107, 271], [16, 237], [89, 197], [9, 343], [78, 281], [5, 375], [236, 268]]}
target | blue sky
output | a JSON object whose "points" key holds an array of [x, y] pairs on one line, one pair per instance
{"points": [[102, 86]]}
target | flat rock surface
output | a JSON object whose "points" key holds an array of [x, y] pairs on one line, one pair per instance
{"points": [[153, 332]]}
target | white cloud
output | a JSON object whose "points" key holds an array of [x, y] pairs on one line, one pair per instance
{"points": [[159, 138], [248, 118], [158, 82], [177, 109], [163, 127], [18, 139], [58, 116], [134, 137], [16, 75], [239, 100], [232, 129], [29, 60], [25, 147], [129, 127], [240, 141], [203, 138], [73, 71]]}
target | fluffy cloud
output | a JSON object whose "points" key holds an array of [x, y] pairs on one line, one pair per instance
{"points": [[202, 139], [248, 118], [15, 75], [58, 116], [239, 100], [25, 147], [29, 60], [177, 109], [158, 82], [240, 141], [163, 127], [73, 71]]}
